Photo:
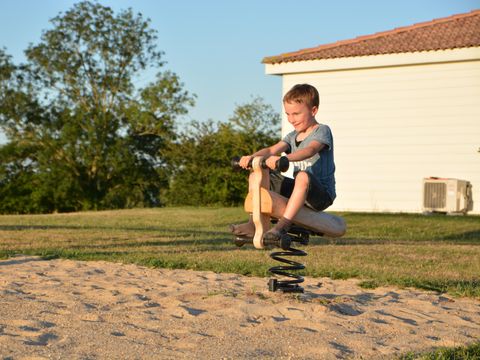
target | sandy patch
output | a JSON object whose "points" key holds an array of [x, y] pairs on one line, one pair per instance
{"points": [[62, 309]]}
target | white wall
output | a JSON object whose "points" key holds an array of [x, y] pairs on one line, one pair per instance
{"points": [[395, 125]]}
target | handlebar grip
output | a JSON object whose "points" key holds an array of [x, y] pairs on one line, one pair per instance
{"points": [[282, 164], [236, 163]]}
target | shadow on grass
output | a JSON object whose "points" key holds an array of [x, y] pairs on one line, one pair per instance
{"points": [[468, 235], [467, 238], [162, 230]]}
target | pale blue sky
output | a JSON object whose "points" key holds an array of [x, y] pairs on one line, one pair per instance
{"points": [[216, 47]]}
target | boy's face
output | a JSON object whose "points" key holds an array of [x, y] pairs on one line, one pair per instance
{"points": [[300, 115]]}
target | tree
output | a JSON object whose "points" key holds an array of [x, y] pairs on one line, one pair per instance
{"points": [[73, 116], [200, 162]]}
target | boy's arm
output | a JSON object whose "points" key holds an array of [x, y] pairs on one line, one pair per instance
{"points": [[299, 155], [313, 148], [278, 148]]}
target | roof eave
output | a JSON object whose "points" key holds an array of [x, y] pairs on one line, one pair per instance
{"points": [[374, 61]]}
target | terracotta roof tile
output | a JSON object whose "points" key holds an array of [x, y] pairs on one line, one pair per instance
{"points": [[457, 31]]}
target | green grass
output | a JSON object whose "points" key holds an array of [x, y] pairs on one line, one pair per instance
{"points": [[440, 253], [471, 352]]}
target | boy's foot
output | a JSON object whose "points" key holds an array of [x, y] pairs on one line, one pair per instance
{"points": [[279, 231], [275, 234], [245, 230], [277, 237]]}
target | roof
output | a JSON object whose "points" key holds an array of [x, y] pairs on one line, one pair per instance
{"points": [[456, 31]]}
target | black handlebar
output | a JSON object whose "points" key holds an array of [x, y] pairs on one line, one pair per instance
{"points": [[282, 164]]}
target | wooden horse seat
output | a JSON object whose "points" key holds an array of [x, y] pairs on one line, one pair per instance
{"points": [[317, 222]]}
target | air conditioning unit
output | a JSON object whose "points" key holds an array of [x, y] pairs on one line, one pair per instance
{"points": [[447, 195]]}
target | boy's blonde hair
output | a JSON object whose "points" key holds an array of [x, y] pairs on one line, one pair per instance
{"points": [[303, 94]]}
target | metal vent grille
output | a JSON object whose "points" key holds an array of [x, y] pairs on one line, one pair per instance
{"points": [[435, 195]]}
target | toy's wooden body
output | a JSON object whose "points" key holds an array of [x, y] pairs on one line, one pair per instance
{"points": [[263, 204]]}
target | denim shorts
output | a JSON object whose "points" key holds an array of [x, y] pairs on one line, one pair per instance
{"points": [[317, 196]]}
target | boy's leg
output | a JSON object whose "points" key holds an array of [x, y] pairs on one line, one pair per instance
{"points": [[279, 184], [299, 195], [246, 229], [307, 191], [318, 198], [295, 203]]}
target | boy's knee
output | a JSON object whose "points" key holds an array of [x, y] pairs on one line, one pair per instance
{"points": [[302, 179]]}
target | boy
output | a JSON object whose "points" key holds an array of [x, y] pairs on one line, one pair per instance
{"points": [[310, 148]]}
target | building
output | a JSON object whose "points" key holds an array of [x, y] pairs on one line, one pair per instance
{"points": [[403, 105]]}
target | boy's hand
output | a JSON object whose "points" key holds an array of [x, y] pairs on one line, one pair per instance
{"points": [[244, 161], [272, 162]]}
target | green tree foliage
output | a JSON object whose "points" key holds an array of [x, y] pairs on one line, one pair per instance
{"points": [[81, 135], [200, 161]]}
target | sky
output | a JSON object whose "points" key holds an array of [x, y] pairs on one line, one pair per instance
{"points": [[216, 47]]}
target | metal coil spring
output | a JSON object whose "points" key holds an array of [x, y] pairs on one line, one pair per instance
{"points": [[282, 270]]}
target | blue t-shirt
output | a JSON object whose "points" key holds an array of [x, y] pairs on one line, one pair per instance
{"points": [[320, 165]]}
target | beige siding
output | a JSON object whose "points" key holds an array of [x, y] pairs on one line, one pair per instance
{"points": [[395, 125]]}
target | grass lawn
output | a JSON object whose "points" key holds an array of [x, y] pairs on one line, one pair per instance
{"points": [[471, 352], [436, 252]]}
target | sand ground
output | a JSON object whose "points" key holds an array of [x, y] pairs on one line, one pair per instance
{"points": [[62, 309]]}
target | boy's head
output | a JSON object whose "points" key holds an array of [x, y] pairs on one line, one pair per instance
{"points": [[303, 94]]}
